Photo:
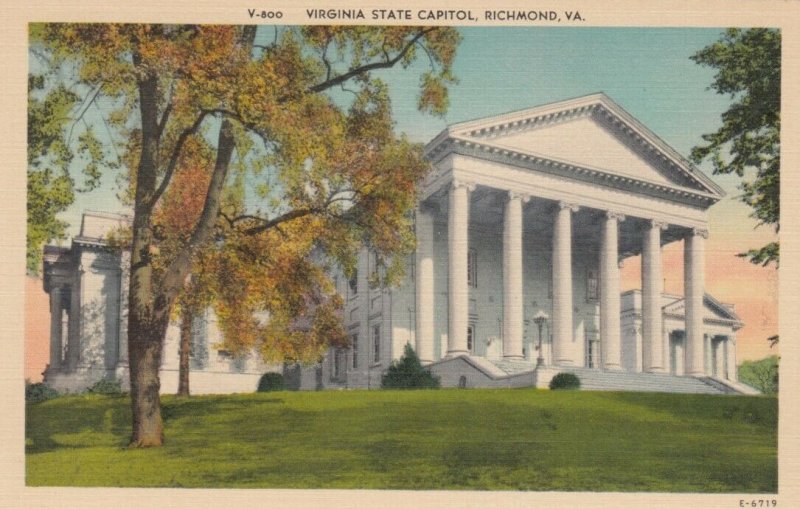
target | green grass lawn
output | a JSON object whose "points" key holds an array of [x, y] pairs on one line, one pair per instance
{"points": [[522, 439]]}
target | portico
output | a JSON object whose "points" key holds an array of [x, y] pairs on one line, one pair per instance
{"points": [[554, 198]]}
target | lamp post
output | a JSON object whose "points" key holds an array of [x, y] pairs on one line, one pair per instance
{"points": [[539, 319]]}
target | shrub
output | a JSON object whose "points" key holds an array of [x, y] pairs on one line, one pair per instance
{"points": [[407, 373], [565, 381], [271, 382], [107, 387], [761, 374], [38, 392]]}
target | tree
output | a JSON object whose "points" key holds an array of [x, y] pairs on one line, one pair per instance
{"points": [[761, 374], [748, 65], [323, 175], [50, 188], [408, 373]]}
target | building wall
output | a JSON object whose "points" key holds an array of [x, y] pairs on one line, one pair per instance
{"points": [[37, 329]]}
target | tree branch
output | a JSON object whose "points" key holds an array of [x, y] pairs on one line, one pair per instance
{"points": [[385, 64], [176, 153]]}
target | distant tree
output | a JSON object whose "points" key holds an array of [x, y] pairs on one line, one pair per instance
{"points": [[408, 373], [748, 65], [761, 374]]}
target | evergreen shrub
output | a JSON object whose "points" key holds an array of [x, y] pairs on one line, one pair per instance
{"points": [[107, 387], [38, 392], [408, 373], [565, 381], [271, 382]]}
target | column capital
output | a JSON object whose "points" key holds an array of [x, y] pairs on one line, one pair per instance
{"points": [[655, 223], [518, 195], [458, 183], [610, 214], [566, 205], [698, 232]]}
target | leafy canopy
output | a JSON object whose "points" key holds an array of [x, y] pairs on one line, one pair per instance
{"points": [[316, 169], [748, 65]]}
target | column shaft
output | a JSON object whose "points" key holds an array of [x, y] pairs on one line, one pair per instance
{"points": [[610, 335], [55, 328], [425, 305], [458, 288], [652, 340], [74, 323], [694, 275], [563, 333], [512, 278]]}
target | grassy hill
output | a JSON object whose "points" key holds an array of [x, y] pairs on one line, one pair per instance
{"points": [[447, 439]]}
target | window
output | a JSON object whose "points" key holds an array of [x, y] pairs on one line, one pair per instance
{"points": [[354, 348], [339, 364], [472, 268], [591, 285], [376, 343], [470, 337], [354, 283]]}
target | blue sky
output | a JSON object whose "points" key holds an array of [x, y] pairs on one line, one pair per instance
{"points": [[649, 73], [646, 70]]}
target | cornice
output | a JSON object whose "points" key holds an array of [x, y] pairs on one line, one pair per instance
{"points": [[567, 169]]}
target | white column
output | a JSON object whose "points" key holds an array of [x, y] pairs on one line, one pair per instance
{"points": [[55, 328], [731, 352], [653, 339], [424, 285], [513, 277], [694, 275], [563, 331], [74, 324], [457, 285], [610, 333]]}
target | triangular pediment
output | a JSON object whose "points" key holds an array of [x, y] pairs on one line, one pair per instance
{"points": [[590, 132], [712, 309], [585, 142]]}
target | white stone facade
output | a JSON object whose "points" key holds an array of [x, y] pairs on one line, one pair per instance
{"points": [[534, 211], [88, 287], [525, 213]]}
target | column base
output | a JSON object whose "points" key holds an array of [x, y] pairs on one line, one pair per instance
{"points": [[612, 367], [564, 362], [456, 353], [656, 370], [513, 357]]}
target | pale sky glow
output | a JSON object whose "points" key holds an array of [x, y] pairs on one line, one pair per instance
{"points": [[645, 70]]}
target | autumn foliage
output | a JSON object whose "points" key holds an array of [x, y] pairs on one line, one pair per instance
{"points": [[248, 172]]}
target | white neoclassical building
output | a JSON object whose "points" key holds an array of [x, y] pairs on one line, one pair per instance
{"points": [[532, 212], [527, 214]]}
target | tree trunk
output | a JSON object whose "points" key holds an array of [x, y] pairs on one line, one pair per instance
{"points": [[150, 301], [145, 361], [187, 319], [147, 315]]}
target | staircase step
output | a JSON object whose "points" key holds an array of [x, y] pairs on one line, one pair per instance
{"points": [[595, 379]]}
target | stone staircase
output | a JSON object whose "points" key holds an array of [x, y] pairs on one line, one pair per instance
{"points": [[599, 380]]}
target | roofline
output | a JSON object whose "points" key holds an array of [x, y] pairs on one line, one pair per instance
{"points": [[604, 100]]}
